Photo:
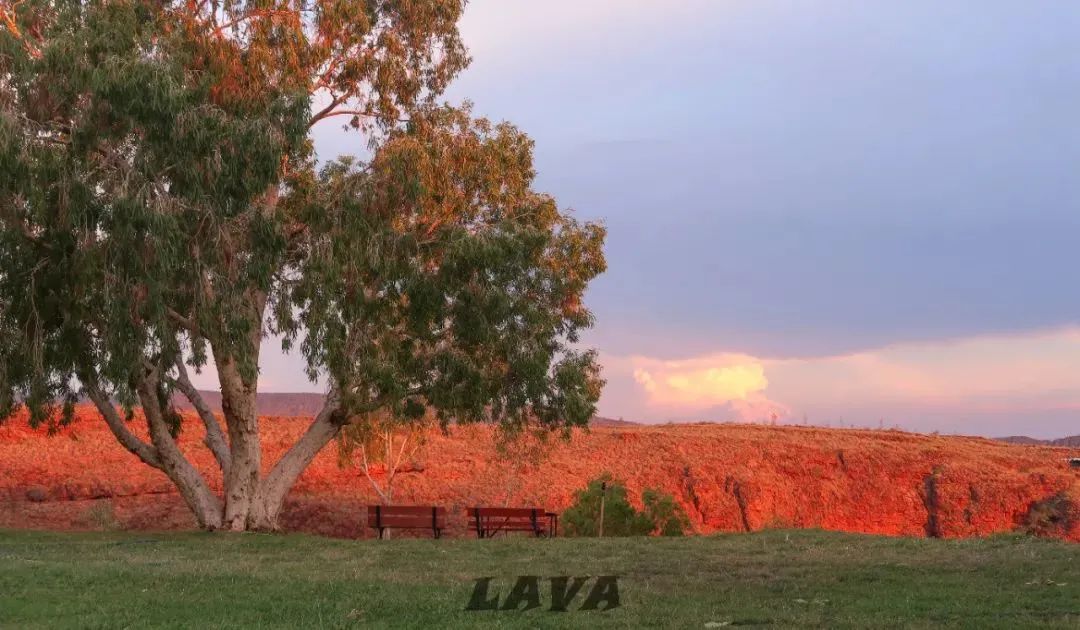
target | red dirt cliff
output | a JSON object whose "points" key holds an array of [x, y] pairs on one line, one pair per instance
{"points": [[728, 477]]}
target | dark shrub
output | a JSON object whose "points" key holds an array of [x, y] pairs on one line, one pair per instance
{"points": [[666, 514], [661, 513], [1051, 516]]}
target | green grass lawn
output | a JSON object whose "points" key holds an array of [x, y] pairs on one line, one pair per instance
{"points": [[781, 578]]}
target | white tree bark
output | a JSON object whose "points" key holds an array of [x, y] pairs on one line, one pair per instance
{"points": [[145, 452], [215, 439], [193, 487], [283, 475], [250, 501]]}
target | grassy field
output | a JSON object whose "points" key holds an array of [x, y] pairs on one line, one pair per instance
{"points": [[781, 578]]}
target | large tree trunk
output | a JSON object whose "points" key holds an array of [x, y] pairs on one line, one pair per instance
{"points": [[250, 501], [238, 405], [245, 448]]}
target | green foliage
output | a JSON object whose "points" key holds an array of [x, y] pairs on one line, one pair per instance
{"points": [[661, 514], [665, 513], [125, 187], [159, 198], [466, 302]]}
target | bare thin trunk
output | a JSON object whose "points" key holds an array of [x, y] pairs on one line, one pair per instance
{"points": [[387, 495], [366, 468], [511, 485]]}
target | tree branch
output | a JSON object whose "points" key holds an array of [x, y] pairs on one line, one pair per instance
{"points": [[397, 460], [260, 13], [193, 487], [8, 17], [327, 113], [334, 102], [287, 469], [184, 322], [215, 438], [145, 452]]}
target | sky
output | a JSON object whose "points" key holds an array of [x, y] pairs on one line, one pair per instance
{"points": [[841, 212]]}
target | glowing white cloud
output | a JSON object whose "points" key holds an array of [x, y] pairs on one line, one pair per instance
{"points": [[1004, 374], [702, 383]]}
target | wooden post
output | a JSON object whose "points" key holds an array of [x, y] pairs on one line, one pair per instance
{"points": [[603, 496]]}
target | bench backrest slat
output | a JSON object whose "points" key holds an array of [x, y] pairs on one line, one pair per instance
{"points": [[407, 516], [516, 519]]}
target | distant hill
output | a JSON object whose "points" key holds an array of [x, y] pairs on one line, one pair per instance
{"points": [[599, 421], [309, 404], [1072, 441], [1021, 439], [268, 404]]}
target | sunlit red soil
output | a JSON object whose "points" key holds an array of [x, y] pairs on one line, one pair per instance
{"points": [[728, 477]]}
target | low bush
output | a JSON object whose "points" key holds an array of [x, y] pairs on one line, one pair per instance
{"points": [[1053, 516], [666, 514], [102, 516], [661, 514]]}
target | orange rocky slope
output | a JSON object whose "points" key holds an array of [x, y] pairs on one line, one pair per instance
{"points": [[728, 477]]}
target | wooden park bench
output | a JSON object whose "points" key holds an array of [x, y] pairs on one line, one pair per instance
{"points": [[488, 521], [383, 517]]}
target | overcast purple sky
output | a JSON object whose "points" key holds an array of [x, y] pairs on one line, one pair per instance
{"points": [[844, 210]]}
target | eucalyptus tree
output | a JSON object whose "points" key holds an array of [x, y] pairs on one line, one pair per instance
{"points": [[162, 208]]}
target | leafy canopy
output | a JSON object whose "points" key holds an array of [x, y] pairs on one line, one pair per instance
{"points": [[160, 198]]}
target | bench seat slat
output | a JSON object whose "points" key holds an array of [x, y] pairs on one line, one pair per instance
{"points": [[410, 521], [412, 510]]}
